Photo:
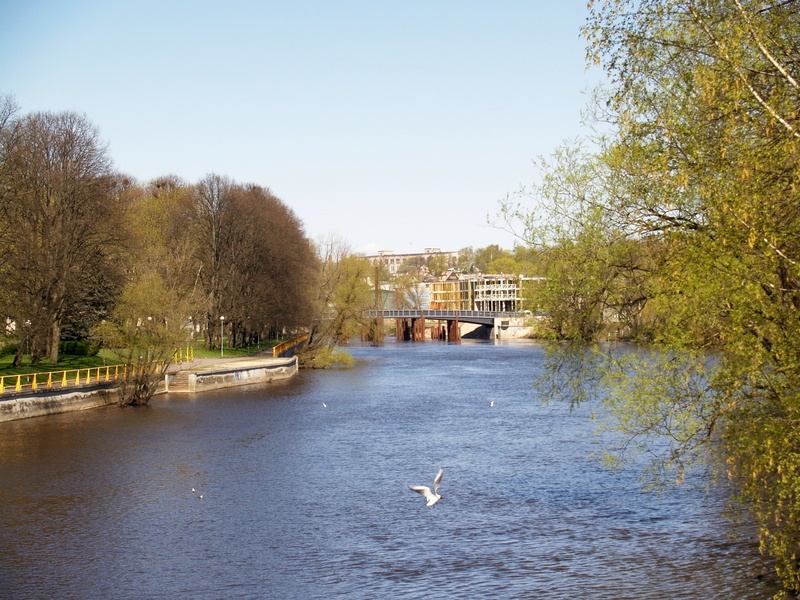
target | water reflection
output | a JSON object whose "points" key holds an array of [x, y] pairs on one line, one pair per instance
{"points": [[300, 501]]}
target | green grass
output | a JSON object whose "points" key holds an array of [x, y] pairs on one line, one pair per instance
{"points": [[67, 362], [201, 352]]}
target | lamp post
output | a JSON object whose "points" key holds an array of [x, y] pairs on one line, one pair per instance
{"points": [[222, 336]]}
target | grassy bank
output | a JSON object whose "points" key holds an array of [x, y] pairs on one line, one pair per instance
{"points": [[109, 357]]}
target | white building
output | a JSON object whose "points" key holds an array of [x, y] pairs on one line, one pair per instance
{"points": [[392, 261]]}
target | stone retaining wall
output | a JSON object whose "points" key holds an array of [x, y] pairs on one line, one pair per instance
{"points": [[54, 403], [241, 373], [234, 373]]}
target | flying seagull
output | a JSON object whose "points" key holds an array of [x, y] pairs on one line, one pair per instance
{"points": [[432, 497]]}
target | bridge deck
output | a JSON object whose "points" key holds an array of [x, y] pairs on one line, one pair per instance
{"points": [[465, 316]]}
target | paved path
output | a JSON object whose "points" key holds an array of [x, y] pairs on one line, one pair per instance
{"points": [[201, 363]]}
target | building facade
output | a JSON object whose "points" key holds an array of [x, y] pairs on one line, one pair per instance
{"points": [[392, 261], [494, 293]]}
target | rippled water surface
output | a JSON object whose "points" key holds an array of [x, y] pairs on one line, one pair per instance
{"points": [[302, 501]]}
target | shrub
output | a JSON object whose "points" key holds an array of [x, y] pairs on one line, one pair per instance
{"points": [[79, 348]]}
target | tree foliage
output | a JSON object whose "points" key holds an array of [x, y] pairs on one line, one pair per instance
{"points": [[59, 200], [85, 251], [254, 263], [344, 292], [681, 226]]}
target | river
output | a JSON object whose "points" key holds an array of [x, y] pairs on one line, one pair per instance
{"points": [[300, 500]]}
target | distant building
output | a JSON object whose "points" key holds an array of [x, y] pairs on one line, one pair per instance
{"points": [[495, 293], [392, 262], [452, 292]]}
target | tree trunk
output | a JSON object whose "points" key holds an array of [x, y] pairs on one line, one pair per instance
{"points": [[17, 362], [55, 339]]}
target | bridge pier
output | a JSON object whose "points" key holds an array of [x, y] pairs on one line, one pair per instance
{"points": [[401, 330], [453, 331], [418, 329], [414, 330], [411, 330]]}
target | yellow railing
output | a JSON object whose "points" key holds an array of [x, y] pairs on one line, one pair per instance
{"points": [[76, 377], [283, 346], [183, 354], [62, 379]]}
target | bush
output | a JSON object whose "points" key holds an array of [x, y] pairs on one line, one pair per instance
{"points": [[79, 348], [325, 358], [7, 349]]}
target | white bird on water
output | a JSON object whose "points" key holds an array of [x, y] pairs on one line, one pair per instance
{"points": [[491, 404], [432, 497], [324, 405]]}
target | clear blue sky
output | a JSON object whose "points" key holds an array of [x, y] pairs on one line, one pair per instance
{"points": [[391, 125]]}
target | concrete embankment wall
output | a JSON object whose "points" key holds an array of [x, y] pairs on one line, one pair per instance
{"points": [[238, 373], [234, 373], [41, 405]]}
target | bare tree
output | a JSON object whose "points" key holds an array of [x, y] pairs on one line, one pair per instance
{"points": [[255, 264], [58, 194], [212, 224]]}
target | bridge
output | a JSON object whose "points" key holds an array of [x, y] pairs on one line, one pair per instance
{"points": [[417, 318]]}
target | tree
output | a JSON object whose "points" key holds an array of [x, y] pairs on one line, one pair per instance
{"points": [[697, 191], [408, 294], [505, 265], [466, 260], [484, 256], [150, 317], [437, 265], [699, 184], [212, 224], [273, 271], [344, 294], [59, 198], [147, 325]]}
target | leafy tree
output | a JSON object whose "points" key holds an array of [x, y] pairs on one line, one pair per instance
{"points": [[147, 325], [484, 256], [60, 199], [466, 260], [688, 214], [150, 318], [408, 294], [529, 260], [213, 224], [274, 269], [344, 294], [505, 265], [437, 264], [253, 261]]}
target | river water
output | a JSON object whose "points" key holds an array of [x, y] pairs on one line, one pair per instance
{"points": [[303, 501]]}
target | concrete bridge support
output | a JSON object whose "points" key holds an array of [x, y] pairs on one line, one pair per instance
{"points": [[453, 331], [418, 329], [401, 330], [411, 330]]}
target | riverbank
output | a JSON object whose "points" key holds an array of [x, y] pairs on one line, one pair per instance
{"points": [[188, 377], [242, 371]]}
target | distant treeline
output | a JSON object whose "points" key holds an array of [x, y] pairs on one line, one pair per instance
{"points": [[82, 245]]}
